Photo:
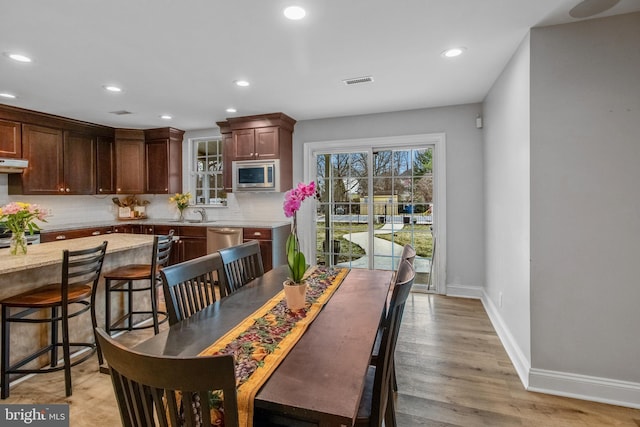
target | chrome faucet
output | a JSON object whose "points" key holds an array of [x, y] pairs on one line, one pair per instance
{"points": [[203, 214]]}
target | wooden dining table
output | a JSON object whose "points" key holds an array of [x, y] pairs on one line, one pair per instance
{"points": [[321, 380]]}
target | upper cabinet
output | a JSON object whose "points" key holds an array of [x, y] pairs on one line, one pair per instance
{"points": [[261, 137], [105, 165], [10, 139], [60, 162], [79, 159], [61, 152], [130, 161], [163, 160]]}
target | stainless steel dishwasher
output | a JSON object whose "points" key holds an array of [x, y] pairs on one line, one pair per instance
{"points": [[222, 237]]}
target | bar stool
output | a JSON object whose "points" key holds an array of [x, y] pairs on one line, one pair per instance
{"points": [[72, 296], [120, 280]]}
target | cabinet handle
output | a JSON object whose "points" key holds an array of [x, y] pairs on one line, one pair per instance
{"points": [[61, 189], [95, 233], [67, 190], [61, 237], [257, 233], [100, 190], [119, 189]]}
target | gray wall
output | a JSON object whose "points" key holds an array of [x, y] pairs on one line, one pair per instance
{"points": [[585, 209], [506, 172], [465, 251]]}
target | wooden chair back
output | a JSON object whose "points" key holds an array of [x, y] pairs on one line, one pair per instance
{"points": [[382, 405], [160, 390], [242, 264], [190, 286]]}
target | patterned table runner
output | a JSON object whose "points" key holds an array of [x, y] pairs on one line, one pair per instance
{"points": [[263, 339]]}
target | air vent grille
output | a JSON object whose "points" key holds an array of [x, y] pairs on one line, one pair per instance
{"points": [[358, 80], [121, 112]]}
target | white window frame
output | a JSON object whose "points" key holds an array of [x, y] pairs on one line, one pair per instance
{"points": [[436, 140], [193, 173]]}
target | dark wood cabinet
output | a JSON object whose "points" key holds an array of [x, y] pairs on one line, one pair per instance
{"points": [[105, 165], [10, 139], [52, 236], [43, 147], [263, 236], [130, 161], [79, 159], [192, 243], [163, 160], [261, 137]]}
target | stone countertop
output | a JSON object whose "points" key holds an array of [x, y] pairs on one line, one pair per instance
{"points": [[51, 253], [160, 221]]}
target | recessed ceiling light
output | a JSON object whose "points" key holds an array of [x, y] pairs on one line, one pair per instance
{"points": [[294, 12], [112, 88], [231, 110], [241, 83], [18, 57], [7, 95], [453, 52], [166, 117]]}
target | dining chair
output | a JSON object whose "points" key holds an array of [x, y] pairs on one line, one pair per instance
{"points": [[242, 264], [54, 304], [121, 279], [408, 254], [190, 286], [377, 402], [168, 390]]}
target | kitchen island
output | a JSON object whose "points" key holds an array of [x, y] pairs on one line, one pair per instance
{"points": [[43, 265]]}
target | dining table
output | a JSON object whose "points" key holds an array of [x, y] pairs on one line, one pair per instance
{"points": [[321, 379]]}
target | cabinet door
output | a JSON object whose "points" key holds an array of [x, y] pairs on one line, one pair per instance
{"points": [[79, 163], [157, 166], [10, 139], [267, 143], [105, 166], [42, 146], [244, 144], [130, 166]]}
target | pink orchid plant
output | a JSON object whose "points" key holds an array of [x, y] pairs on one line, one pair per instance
{"points": [[292, 201]]}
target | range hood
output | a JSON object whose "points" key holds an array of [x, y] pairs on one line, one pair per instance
{"points": [[13, 165]]}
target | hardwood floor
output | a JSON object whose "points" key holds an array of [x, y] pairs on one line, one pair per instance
{"points": [[452, 371]]}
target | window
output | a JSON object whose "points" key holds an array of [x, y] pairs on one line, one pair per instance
{"points": [[207, 171]]}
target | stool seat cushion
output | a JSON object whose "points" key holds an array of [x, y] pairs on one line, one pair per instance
{"points": [[130, 272], [47, 296]]}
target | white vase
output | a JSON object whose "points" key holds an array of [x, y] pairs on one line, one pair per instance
{"points": [[295, 295]]}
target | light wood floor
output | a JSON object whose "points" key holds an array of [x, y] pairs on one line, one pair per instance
{"points": [[452, 371]]}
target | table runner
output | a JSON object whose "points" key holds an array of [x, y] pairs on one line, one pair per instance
{"points": [[263, 339]]}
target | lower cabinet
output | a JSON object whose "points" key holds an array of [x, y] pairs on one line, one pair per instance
{"points": [[52, 236], [263, 236], [192, 243]]}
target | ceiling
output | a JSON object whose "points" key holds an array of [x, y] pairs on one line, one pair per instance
{"points": [[182, 57]]}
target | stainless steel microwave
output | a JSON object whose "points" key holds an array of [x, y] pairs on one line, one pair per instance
{"points": [[256, 175]]}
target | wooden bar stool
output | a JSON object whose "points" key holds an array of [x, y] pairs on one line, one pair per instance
{"points": [[120, 280], [71, 297]]}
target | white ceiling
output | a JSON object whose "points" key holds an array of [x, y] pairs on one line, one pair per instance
{"points": [[181, 57]]}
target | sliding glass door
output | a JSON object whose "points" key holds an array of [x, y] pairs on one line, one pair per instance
{"points": [[371, 204]]}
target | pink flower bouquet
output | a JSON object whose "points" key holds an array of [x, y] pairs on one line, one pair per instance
{"points": [[292, 201]]}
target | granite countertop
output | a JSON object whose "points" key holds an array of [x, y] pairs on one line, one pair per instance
{"points": [[51, 253], [240, 223]]}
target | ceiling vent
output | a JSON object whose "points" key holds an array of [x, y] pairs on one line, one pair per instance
{"points": [[358, 80], [121, 112]]}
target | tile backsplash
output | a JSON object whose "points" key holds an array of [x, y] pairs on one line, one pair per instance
{"points": [[96, 208]]}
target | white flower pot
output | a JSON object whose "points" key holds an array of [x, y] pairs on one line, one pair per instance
{"points": [[295, 295]]}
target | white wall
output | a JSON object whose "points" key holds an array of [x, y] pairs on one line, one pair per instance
{"points": [[585, 209], [506, 179], [465, 251]]}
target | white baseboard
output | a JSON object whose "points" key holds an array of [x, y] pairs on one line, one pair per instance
{"points": [[604, 390], [519, 360], [464, 291]]}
